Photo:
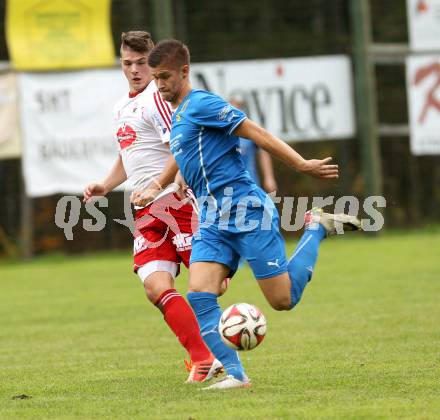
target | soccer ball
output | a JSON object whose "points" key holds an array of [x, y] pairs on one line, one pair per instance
{"points": [[242, 326]]}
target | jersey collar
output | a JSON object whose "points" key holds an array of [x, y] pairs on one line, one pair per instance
{"points": [[134, 94], [183, 101]]}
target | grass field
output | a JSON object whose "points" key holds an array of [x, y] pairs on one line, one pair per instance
{"points": [[77, 335]]}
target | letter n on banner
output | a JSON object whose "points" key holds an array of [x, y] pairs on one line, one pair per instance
{"points": [[59, 34]]}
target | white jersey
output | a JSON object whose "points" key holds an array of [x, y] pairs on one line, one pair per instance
{"points": [[143, 125]]}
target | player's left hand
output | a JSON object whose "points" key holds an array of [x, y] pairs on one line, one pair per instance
{"points": [[270, 185], [321, 168], [145, 197]]}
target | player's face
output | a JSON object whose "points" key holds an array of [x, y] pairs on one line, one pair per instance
{"points": [[135, 67], [171, 82]]}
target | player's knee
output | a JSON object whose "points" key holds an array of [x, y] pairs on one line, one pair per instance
{"points": [[199, 287], [151, 293], [281, 303], [155, 285]]}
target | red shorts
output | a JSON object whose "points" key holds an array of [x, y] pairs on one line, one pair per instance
{"points": [[163, 231]]}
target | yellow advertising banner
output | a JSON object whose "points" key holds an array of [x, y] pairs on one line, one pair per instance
{"points": [[59, 34]]}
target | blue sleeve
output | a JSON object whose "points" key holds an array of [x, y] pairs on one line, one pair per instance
{"points": [[213, 111]]}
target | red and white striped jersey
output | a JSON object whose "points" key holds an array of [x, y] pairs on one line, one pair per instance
{"points": [[143, 125]]}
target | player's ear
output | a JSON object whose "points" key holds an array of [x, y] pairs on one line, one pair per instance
{"points": [[185, 71]]}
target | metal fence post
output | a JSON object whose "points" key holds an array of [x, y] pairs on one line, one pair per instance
{"points": [[365, 97], [163, 23]]}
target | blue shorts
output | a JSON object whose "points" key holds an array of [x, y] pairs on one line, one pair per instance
{"points": [[262, 247]]}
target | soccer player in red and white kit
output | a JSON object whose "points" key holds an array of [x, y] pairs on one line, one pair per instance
{"points": [[162, 238]]}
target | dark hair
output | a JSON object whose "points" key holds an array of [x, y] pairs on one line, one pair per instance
{"points": [[169, 51], [139, 41]]}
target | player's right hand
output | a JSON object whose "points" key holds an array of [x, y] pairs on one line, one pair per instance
{"points": [[94, 190]]}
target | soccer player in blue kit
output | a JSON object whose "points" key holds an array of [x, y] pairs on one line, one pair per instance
{"points": [[236, 218]]}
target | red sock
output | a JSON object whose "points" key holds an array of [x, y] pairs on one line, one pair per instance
{"points": [[182, 321]]}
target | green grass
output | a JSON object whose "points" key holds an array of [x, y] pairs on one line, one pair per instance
{"points": [[77, 334]]}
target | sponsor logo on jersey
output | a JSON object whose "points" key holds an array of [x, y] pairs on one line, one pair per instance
{"points": [[223, 114], [159, 124], [126, 135], [175, 143], [137, 109], [182, 241], [182, 110]]}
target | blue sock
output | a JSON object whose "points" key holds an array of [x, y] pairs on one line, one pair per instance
{"points": [[302, 262], [208, 315]]}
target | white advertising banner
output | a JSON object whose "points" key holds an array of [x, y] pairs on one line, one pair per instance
{"points": [[295, 98], [68, 128], [424, 24], [9, 134], [423, 88]]}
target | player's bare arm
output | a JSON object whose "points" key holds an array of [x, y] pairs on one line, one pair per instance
{"points": [[269, 181], [115, 177], [142, 198], [319, 168]]}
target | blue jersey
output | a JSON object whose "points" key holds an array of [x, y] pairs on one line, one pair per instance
{"points": [[249, 151], [205, 149], [209, 158]]}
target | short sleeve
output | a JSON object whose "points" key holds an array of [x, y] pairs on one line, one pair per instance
{"points": [[161, 117], [213, 111]]}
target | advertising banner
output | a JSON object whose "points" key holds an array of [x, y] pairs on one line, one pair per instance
{"points": [[59, 34], [296, 98], [68, 132], [423, 87], [424, 24]]}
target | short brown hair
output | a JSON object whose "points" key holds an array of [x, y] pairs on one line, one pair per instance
{"points": [[169, 51], [139, 41]]}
